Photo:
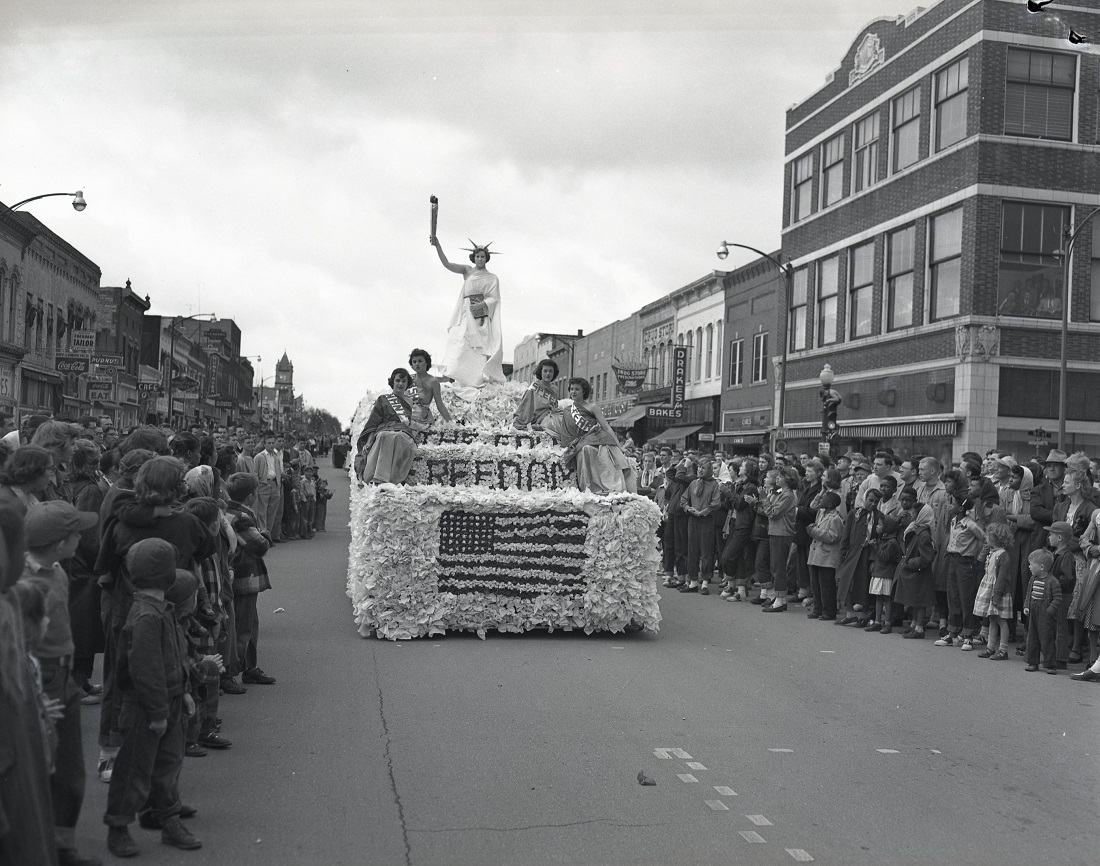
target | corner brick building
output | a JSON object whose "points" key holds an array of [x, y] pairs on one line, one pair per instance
{"points": [[927, 188]]}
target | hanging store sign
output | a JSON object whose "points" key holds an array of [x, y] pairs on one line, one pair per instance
{"points": [[82, 341], [679, 385], [71, 364]]}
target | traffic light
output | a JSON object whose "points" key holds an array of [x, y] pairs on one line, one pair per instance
{"points": [[828, 420]]}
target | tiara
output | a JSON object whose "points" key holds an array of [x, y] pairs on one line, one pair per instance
{"points": [[477, 246]]}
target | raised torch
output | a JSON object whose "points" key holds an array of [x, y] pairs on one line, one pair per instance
{"points": [[435, 215]]}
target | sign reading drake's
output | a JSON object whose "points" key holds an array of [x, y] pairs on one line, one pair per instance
{"points": [[679, 383]]}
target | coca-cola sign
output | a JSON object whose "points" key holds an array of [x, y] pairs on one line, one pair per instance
{"points": [[72, 364]]}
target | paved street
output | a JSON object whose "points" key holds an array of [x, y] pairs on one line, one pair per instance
{"points": [[786, 740]]}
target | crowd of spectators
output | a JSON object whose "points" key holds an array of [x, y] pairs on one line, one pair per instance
{"points": [[987, 554], [149, 549]]}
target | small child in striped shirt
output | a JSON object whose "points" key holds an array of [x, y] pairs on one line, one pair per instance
{"points": [[1041, 604]]}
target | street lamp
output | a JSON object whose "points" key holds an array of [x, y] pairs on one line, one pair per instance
{"points": [[830, 401], [176, 320], [78, 199], [788, 274], [1067, 268]]}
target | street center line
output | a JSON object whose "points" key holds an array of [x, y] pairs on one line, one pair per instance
{"points": [[681, 754], [799, 855], [936, 752], [724, 791], [686, 777], [829, 652], [788, 751], [718, 805], [759, 820], [888, 751], [695, 765], [752, 836]]}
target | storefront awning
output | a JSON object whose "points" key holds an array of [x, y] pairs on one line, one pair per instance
{"points": [[676, 434], [628, 417], [909, 429]]}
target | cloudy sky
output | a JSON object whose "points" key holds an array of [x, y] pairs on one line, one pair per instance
{"points": [[271, 160]]}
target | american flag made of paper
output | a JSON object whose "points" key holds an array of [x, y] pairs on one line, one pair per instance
{"points": [[509, 553]]}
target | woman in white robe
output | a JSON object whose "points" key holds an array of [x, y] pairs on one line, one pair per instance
{"points": [[474, 351]]}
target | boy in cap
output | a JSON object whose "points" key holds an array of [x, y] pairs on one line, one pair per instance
{"points": [[1041, 604], [152, 681], [1065, 572], [52, 532]]}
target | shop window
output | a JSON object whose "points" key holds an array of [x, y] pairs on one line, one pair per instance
{"points": [[865, 168], [828, 284], [1039, 94], [802, 184], [861, 284], [737, 363], [1029, 279], [832, 171], [699, 355], [906, 129], [710, 351], [759, 358], [951, 87], [899, 277], [796, 323], [945, 264]]}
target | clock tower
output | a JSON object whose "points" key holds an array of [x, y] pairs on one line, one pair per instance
{"points": [[284, 381]]}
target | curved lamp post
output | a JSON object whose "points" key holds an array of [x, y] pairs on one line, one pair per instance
{"points": [[176, 320], [78, 199], [1067, 269], [788, 274]]}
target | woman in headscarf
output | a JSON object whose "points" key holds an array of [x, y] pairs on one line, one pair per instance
{"points": [[914, 585], [26, 815]]}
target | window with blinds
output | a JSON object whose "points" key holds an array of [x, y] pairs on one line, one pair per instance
{"points": [[1039, 94]]}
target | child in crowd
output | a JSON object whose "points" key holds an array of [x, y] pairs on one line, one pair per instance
{"points": [[884, 564], [964, 542], [1041, 603], [323, 496], [53, 531], [250, 576], [32, 603], [152, 680], [824, 555], [1065, 572], [308, 501], [994, 598]]}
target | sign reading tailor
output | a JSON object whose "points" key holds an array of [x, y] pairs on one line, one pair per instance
{"points": [[82, 341], [115, 361], [72, 364], [679, 384]]}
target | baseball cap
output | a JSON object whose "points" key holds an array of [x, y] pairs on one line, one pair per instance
{"points": [[51, 521]]}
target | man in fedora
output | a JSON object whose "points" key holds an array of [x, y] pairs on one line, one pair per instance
{"points": [[1047, 493]]}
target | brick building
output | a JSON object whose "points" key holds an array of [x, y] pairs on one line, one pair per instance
{"points": [[927, 188]]}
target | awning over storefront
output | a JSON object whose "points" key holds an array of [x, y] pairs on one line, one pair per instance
{"points": [[676, 434], [628, 417], [882, 430]]}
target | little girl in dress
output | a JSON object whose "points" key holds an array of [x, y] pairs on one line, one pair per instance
{"points": [[994, 598]]}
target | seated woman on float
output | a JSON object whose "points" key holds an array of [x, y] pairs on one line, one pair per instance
{"points": [[602, 467], [387, 445], [538, 408]]}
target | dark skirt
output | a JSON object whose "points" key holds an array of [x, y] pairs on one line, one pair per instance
{"points": [[914, 588], [853, 576]]}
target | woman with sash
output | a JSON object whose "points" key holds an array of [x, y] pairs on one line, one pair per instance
{"points": [[601, 465], [538, 408], [475, 345], [388, 442]]}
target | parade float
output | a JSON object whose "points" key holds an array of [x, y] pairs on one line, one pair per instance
{"points": [[489, 532]]}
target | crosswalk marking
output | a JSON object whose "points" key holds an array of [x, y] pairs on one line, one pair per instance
{"points": [[752, 836], [686, 777]]}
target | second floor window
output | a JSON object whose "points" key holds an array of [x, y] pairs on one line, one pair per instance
{"points": [[906, 129], [737, 363], [796, 323], [832, 171], [710, 351], [1029, 279], [945, 264], [759, 358], [828, 280], [1039, 94], [861, 285], [951, 85], [802, 186], [899, 279]]}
